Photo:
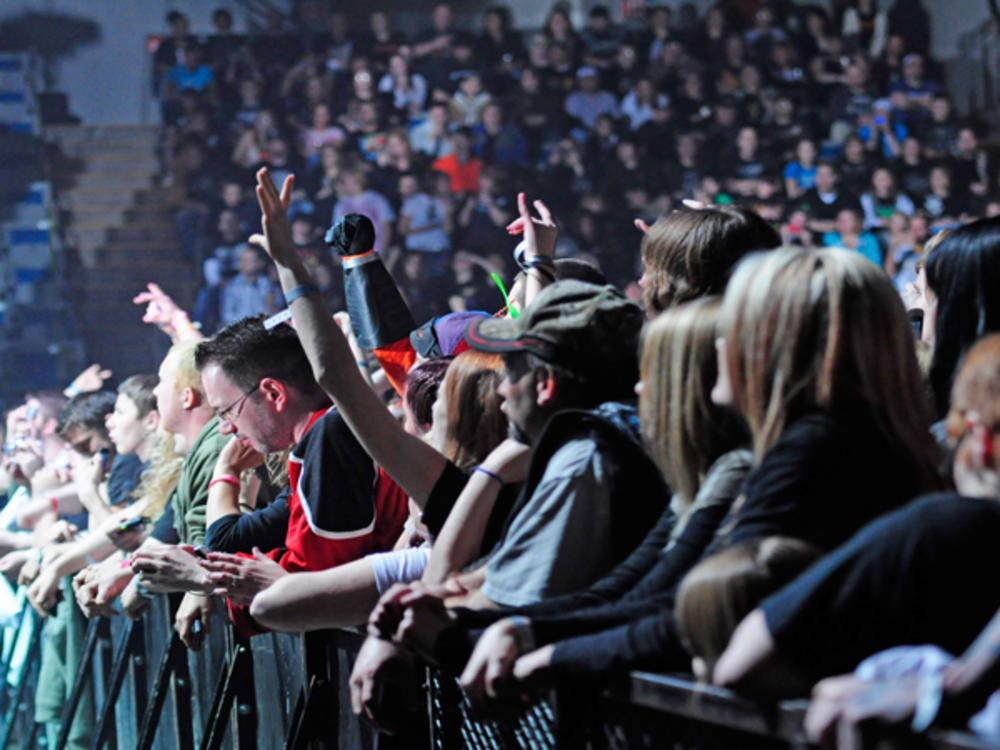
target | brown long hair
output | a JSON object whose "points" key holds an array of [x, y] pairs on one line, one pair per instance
{"points": [[475, 424], [682, 429], [813, 330], [721, 590], [689, 254]]}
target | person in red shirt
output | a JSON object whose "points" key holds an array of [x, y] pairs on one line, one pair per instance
{"points": [[460, 166]]}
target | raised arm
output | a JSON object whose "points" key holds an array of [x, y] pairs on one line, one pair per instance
{"points": [[413, 464]]}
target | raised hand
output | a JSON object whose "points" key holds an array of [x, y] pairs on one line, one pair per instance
{"points": [[539, 234], [276, 237], [89, 380]]}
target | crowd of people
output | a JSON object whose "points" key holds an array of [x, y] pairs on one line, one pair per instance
{"points": [[752, 436], [835, 126]]}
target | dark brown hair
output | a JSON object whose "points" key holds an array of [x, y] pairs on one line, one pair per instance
{"points": [[689, 254]]}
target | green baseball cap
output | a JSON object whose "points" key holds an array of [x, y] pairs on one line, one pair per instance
{"points": [[575, 324]]}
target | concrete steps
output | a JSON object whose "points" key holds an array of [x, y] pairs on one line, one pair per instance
{"points": [[120, 220]]}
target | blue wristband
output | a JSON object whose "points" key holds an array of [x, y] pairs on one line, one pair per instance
{"points": [[490, 474], [300, 291]]}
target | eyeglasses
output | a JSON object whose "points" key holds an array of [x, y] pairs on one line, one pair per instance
{"points": [[225, 416]]}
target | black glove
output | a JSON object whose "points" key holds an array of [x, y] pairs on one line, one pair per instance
{"points": [[352, 235]]}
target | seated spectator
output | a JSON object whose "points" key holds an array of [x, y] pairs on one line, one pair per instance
{"points": [[800, 175], [855, 166], [408, 90], [468, 101], [938, 133], [824, 202], [969, 163], [912, 94], [883, 201], [460, 166], [849, 235], [250, 150], [901, 253], [746, 167], [588, 101], [432, 136], [354, 198], [942, 204], [425, 225], [912, 169], [639, 104], [222, 262], [321, 132], [882, 132], [497, 141], [250, 292], [601, 40]]}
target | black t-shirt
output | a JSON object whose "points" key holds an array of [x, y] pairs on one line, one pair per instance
{"points": [[817, 208], [124, 478], [922, 574]]}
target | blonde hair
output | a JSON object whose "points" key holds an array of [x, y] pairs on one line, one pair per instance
{"points": [[186, 374], [683, 431], [161, 476], [811, 330]]}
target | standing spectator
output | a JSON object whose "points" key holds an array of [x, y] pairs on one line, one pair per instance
{"points": [[355, 199]]}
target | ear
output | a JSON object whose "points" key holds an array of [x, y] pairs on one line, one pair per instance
{"points": [[152, 421], [274, 391], [50, 426], [546, 386], [190, 399]]}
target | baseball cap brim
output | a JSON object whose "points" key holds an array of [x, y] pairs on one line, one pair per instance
{"points": [[499, 336]]}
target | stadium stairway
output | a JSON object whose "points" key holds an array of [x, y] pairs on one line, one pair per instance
{"points": [[120, 222]]}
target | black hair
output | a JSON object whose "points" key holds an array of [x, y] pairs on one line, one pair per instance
{"points": [[87, 412], [964, 272], [247, 353]]}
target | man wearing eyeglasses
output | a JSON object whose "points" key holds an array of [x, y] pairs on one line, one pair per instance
{"points": [[340, 506]]}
